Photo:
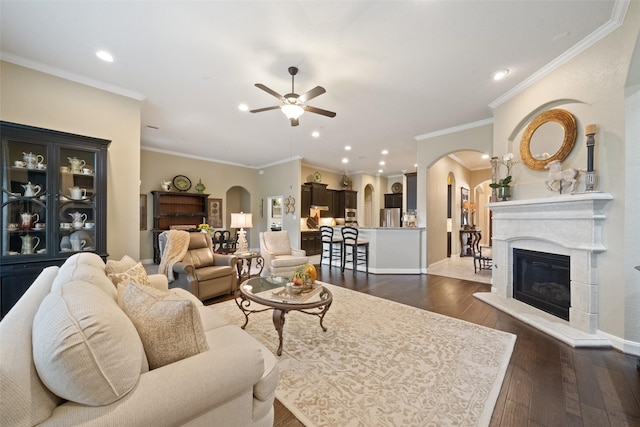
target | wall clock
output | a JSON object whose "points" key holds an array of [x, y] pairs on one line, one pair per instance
{"points": [[181, 182], [317, 177]]}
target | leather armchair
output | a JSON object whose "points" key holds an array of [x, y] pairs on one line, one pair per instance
{"points": [[280, 259], [203, 272]]}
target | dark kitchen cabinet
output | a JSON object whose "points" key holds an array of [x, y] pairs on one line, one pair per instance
{"points": [[305, 200], [54, 203], [311, 242], [347, 199], [393, 200]]}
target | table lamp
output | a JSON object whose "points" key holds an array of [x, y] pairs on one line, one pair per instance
{"points": [[241, 220]]}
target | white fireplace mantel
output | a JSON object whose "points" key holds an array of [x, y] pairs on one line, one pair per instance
{"points": [[564, 224]]}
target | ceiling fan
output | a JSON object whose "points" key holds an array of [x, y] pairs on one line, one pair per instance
{"points": [[293, 105]]}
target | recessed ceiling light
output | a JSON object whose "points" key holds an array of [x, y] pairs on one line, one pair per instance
{"points": [[347, 147], [500, 74], [415, 166], [382, 163], [104, 55], [485, 156], [385, 152], [243, 107], [380, 171], [315, 134], [345, 160]]}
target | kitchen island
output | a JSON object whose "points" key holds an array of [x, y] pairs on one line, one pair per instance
{"points": [[392, 250]]}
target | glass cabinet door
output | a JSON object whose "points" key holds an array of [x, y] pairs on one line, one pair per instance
{"points": [[77, 193], [25, 198]]}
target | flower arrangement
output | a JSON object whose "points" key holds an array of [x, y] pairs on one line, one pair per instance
{"points": [[205, 228], [508, 162]]}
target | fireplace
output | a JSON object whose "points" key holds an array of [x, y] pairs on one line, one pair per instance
{"points": [[570, 228], [542, 280]]}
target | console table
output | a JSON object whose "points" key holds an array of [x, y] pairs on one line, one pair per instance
{"points": [[467, 239]]}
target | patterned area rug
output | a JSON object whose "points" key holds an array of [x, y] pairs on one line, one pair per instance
{"points": [[382, 363]]}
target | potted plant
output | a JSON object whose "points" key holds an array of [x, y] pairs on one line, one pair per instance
{"points": [[503, 187]]}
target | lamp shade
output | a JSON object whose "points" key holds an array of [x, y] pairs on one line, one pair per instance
{"points": [[241, 220]]}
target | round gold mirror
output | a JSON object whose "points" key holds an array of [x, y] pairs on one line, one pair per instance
{"points": [[551, 136]]}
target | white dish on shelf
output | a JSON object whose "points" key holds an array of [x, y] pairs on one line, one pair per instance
{"points": [[13, 253], [88, 248], [41, 251]]}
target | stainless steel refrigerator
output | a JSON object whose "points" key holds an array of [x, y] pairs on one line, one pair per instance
{"points": [[390, 217]]}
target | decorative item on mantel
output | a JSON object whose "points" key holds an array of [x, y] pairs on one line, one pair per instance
{"points": [[200, 186], [503, 186], [561, 180], [166, 185], [590, 131]]}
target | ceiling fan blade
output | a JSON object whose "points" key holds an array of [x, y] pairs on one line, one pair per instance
{"points": [[270, 91], [294, 122], [316, 91], [260, 110], [319, 111]]}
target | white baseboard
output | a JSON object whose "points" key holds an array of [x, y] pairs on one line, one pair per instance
{"points": [[625, 346]]}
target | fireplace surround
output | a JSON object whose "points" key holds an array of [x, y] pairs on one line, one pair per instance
{"points": [[567, 225]]}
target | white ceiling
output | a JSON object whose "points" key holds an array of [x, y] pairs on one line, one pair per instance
{"points": [[393, 70]]}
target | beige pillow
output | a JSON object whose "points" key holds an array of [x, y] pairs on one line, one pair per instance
{"points": [[136, 274], [85, 348], [169, 326], [121, 266]]}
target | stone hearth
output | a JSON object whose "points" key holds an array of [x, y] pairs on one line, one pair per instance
{"points": [[567, 225]]}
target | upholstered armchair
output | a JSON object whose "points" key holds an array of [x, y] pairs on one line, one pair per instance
{"points": [[203, 272], [280, 259]]}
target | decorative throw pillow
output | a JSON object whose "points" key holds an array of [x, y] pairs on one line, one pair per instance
{"points": [[136, 274], [85, 348], [169, 326], [121, 266]]}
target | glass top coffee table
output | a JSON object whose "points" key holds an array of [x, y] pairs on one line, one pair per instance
{"points": [[271, 292]]}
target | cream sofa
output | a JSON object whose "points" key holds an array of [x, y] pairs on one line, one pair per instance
{"points": [[231, 384], [280, 259]]}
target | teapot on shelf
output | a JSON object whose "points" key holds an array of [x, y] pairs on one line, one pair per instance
{"points": [[76, 164], [27, 220], [31, 190], [78, 219], [32, 160], [29, 244]]}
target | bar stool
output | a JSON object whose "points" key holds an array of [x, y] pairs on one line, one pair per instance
{"points": [[359, 249], [331, 245]]}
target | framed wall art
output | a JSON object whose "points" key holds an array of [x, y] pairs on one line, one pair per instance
{"points": [[215, 213]]}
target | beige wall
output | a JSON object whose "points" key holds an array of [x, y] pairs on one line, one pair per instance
{"points": [[592, 87], [433, 169], [37, 99], [221, 182]]}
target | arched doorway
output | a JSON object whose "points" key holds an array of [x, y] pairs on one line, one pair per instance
{"points": [[369, 217]]}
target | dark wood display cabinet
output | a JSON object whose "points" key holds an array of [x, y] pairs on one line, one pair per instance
{"points": [[173, 209], [54, 203]]}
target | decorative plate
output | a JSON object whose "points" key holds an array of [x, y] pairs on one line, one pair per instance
{"points": [[317, 177], [181, 182], [396, 187]]}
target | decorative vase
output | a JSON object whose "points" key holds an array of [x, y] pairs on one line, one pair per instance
{"points": [[504, 193], [200, 186]]}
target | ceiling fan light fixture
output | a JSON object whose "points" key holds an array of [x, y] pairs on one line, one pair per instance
{"points": [[292, 111]]}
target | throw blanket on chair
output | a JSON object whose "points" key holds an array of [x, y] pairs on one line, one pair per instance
{"points": [[174, 251]]}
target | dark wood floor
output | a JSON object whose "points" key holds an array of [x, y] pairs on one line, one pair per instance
{"points": [[548, 383]]}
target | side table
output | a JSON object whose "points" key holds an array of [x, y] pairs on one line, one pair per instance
{"points": [[244, 265]]}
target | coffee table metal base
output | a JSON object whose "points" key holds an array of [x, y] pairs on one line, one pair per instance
{"points": [[280, 309]]}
